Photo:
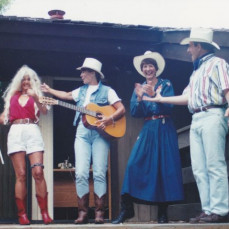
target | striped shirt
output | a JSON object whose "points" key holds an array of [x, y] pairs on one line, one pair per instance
{"points": [[207, 83]]}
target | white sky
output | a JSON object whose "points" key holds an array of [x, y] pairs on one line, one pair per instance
{"points": [[161, 13]]}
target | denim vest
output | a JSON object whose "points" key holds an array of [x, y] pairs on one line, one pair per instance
{"points": [[99, 97]]}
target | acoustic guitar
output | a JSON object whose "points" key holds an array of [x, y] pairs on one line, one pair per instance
{"points": [[91, 113]]}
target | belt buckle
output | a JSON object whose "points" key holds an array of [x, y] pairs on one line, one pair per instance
{"points": [[26, 120], [204, 108]]}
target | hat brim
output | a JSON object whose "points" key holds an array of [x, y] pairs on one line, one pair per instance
{"points": [[186, 41], [155, 56], [101, 74]]}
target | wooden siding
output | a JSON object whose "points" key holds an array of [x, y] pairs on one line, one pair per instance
{"points": [[7, 181]]}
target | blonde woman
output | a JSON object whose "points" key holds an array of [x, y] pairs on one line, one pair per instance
{"points": [[22, 110]]}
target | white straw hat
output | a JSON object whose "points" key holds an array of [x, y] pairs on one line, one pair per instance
{"points": [[93, 64], [200, 35], [152, 55]]}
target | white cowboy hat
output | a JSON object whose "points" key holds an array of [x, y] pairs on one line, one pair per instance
{"points": [[93, 64], [152, 55], [200, 35]]}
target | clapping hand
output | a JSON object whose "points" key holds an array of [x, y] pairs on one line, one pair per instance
{"points": [[139, 90], [155, 99], [148, 89]]}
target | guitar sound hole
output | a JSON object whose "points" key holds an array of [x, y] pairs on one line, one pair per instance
{"points": [[99, 115]]}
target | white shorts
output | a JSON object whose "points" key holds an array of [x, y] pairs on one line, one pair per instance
{"points": [[25, 137]]}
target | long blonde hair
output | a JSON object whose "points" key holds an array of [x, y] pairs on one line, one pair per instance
{"points": [[15, 86]]}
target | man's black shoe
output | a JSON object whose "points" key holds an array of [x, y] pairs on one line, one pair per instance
{"points": [[214, 218], [198, 218]]}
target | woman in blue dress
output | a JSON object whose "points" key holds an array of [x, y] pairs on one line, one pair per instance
{"points": [[153, 172]]}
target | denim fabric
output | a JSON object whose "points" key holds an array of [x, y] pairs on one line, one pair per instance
{"points": [[207, 145], [90, 147], [100, 97], [153, 171]]}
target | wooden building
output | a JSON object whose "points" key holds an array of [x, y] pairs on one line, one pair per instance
{"points": [[54, 48]]}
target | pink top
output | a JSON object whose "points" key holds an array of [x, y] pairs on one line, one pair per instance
{"points": [[21, 112]]}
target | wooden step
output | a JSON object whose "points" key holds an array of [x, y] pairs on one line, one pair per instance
{"points": [[119, 226]]}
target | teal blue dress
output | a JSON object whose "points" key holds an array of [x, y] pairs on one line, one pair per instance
{"points": [[153, 171]]}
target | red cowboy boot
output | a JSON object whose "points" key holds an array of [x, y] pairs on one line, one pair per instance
{"points": [[99, 208], [22, 216], [83, 204], [43, 204]]}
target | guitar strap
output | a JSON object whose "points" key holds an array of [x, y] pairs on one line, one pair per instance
{"points": [[79, 102]]}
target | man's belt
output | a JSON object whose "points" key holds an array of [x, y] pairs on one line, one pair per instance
{"points": [[208, 107], [23, 121], [156, 117]]}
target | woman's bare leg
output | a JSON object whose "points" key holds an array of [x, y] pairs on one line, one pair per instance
{"points": [[36, 161], [38, 174], [19, 164]]}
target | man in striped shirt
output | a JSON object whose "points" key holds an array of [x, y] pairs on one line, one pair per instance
{"points": [[207, 97]]}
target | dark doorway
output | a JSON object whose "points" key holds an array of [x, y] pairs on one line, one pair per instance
{"points": [[64, 131]]}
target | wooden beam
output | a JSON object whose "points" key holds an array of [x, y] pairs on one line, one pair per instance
{"points": [[174, 36], [175, 52], [74, 29], [187, 175], [183, 211], [73, 45], [183, 137]]}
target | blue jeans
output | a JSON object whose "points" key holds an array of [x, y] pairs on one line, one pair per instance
{"points": [[90, 147], [207, 145]]}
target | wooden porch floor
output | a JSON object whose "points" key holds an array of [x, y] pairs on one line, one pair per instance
{"points": [[119, 226]]}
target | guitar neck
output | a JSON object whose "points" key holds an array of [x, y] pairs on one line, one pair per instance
{"points": [[79, 109]]}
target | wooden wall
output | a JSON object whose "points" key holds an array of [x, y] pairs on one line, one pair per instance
{"points": [[7, 175], [7, 180]]}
